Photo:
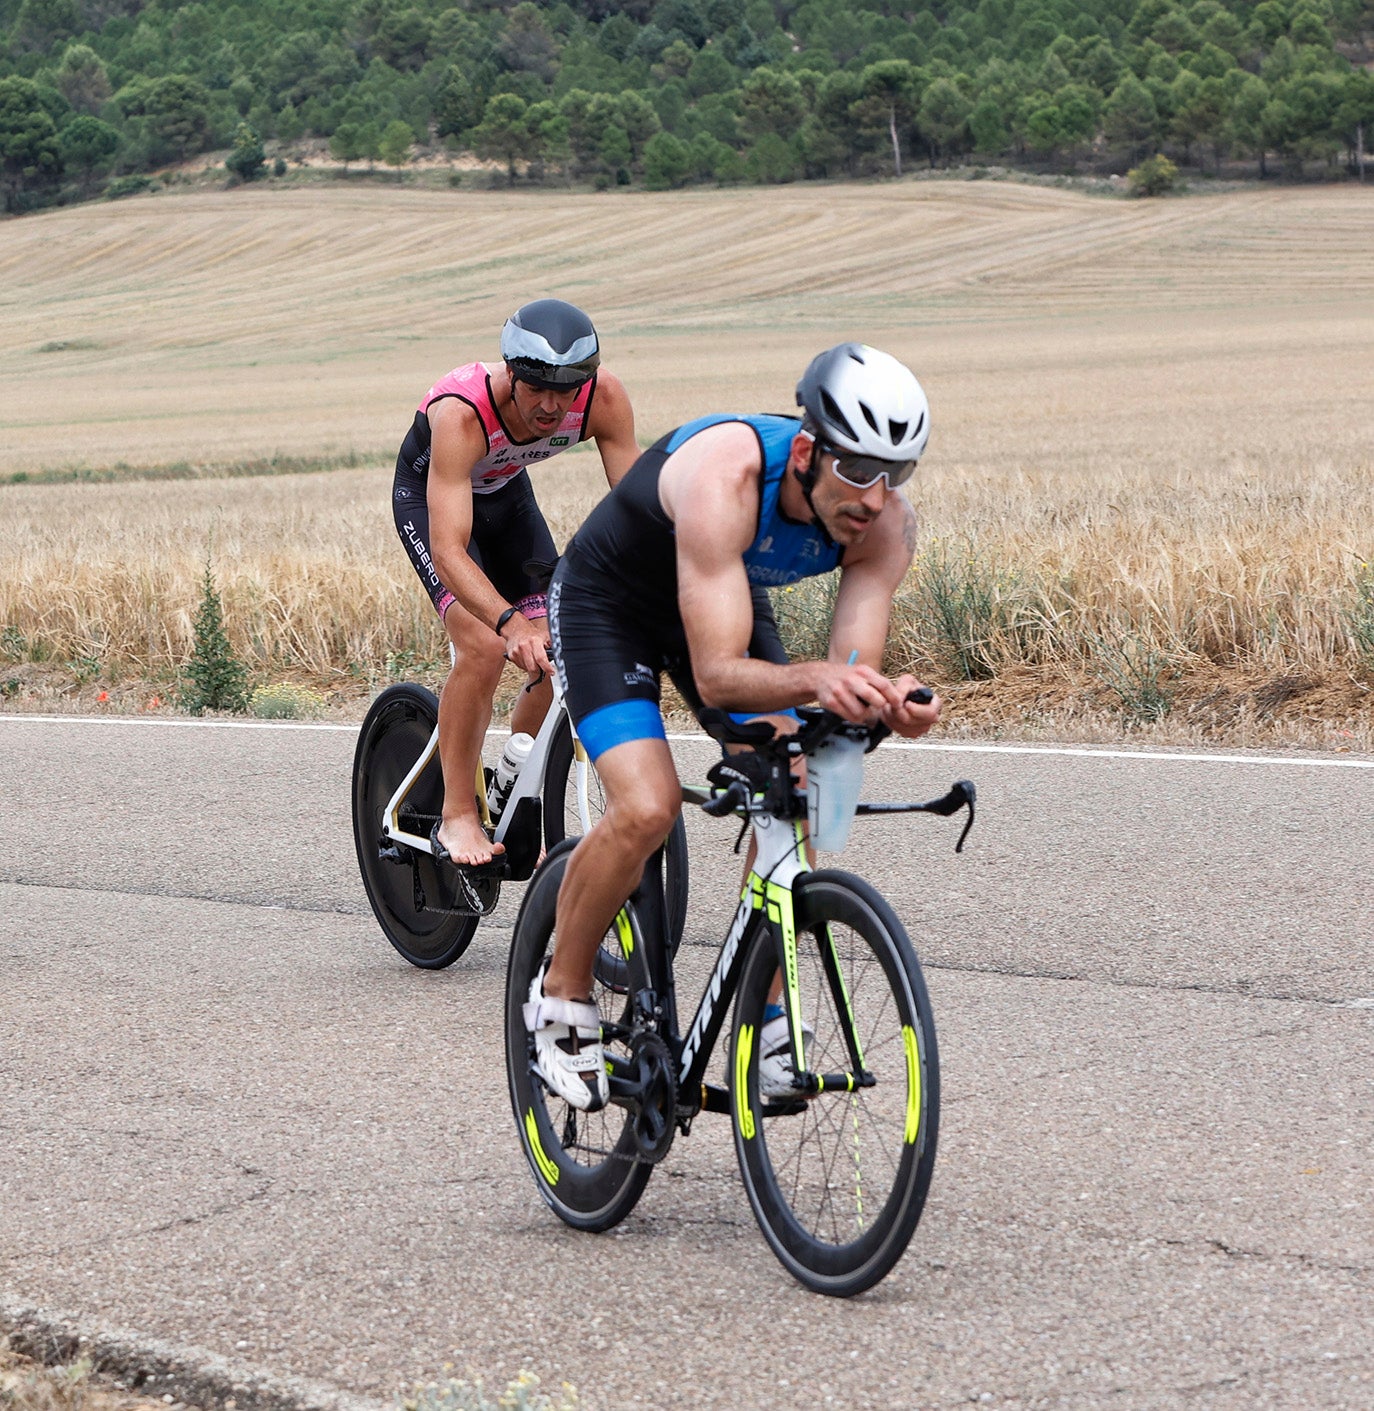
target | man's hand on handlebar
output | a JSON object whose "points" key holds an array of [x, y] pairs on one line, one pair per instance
{"points": [[527, 646], [854, 692], [912, 717], [863, 695]]}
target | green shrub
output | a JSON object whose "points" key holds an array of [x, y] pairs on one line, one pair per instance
{"points": [[965, 609], [217, 676], [1140, 675], [247, 159], [1153, 177], [128, 186], [1360, 615], [522, 1394], [804, 611]]}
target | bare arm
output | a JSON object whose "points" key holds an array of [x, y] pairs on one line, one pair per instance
{"points": [[612, 424], [457, 443], [869, 581], [710, 488]]}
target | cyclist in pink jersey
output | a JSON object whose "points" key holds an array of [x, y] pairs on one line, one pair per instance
{"points": [[466, 513]]}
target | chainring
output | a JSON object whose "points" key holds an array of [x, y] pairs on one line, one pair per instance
{"points": [[656, 1106]]}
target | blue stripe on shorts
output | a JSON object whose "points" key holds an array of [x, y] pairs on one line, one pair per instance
{"points": [[619, 722]]}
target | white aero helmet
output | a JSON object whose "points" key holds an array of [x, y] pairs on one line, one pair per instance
{"points": [[868, 410]]}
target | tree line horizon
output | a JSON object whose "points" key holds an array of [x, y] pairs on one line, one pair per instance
{"points": [[95, 94]]}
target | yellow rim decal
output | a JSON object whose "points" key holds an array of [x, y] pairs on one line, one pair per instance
{"points": [[580, 752], [743, 1051], [625, 931], [548, 1169], [913, 1085]]}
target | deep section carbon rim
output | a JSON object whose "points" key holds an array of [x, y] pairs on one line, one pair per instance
{"points": [[838, 1180], [585, 1163], [393, 735]]}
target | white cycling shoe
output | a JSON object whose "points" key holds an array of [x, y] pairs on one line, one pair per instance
{"points": [[567, 1044], [775, 1059]]}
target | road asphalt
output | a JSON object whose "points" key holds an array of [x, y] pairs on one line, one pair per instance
{"points": [[238, 1129]]}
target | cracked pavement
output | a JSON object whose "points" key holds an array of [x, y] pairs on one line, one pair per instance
{"points": [[235, 1122]]}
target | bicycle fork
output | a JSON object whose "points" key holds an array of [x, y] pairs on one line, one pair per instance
{"points": [[781, 861]]}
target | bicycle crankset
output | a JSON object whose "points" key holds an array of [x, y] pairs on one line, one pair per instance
{"points": [[655, 1103]]}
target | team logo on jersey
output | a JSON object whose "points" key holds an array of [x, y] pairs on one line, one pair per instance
{"points": [[560, 440]]}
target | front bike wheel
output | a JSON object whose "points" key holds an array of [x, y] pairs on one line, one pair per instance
{"points": [[838, 1181], [586, 1164], [574, 800], [410, 897]]}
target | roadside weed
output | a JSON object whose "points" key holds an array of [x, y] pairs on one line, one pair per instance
{"points": [[1140, 674], [285, 701], [966, 605], [1360, 615], [459, 1394]]}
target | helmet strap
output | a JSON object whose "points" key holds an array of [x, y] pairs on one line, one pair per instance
{"points": [[807, 480]]}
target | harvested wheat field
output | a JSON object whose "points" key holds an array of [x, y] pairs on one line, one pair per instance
{"points": [[1148, 504]]}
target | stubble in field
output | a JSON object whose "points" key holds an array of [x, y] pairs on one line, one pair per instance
{"points": [[1146, 504]]}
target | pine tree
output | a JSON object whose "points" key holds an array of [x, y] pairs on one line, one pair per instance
{"points": [[218, 679]]}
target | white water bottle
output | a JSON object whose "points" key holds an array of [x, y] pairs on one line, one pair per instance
{"points": [[834, 776], [508, 767]]}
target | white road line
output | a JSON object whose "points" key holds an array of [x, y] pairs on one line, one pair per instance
{"points": [[1085, 752]]}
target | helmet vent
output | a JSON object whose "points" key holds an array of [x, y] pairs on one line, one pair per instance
{"points": [[835, 416], [896, 431], [869, 417]]}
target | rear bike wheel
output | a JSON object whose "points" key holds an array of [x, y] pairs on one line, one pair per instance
{"points": [[837, 1181], [586, 1164], [394, 733], [574, 800]]}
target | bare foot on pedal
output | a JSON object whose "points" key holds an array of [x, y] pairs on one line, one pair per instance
{"points": [[465, 841]]}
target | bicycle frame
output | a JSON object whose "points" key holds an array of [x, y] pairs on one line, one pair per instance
{"points": [[765, 903], [529, 783]]}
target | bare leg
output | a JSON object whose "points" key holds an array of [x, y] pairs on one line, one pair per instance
{"points": [[464, 714], [531, 706], [643, 797]]}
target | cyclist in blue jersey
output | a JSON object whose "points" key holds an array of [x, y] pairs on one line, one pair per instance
{"points": [[659, 580]]}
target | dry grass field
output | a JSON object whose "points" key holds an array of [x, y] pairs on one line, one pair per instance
{"points": [[1148, 505]]}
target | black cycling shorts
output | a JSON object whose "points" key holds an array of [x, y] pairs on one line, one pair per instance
{"points": [[509, 535], [611, 663]]}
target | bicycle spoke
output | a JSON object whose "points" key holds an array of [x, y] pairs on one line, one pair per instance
{"points": [[837, 1181]]}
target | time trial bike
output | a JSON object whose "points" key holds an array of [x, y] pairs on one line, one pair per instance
{"points": [[429, 908], [837, 1157]]}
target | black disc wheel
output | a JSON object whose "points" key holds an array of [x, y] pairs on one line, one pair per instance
{"points": [[574, 800], [838, 1180], [410, 895], [587, 1165]]}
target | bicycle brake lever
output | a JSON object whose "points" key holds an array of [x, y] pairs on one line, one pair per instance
{"points": [[959, 846], [735, 796]]}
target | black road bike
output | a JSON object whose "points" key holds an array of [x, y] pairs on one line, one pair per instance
{"points": [[837, 1165]]}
